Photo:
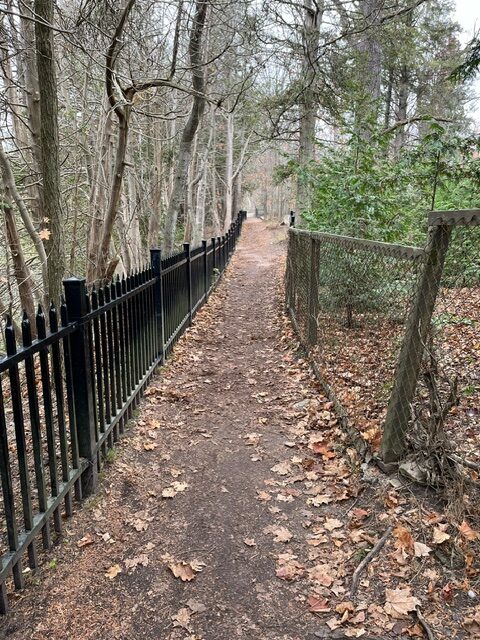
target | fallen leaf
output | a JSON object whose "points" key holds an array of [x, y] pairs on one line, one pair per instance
{"points": [[316, 604], [439, 535], [421, 550], [113, 571], [282, 468], [132, 563], [85, 541], [321, 573], [182, 618], [179, 486], [169, 492], [404, 539], [290, 570], [150, 446], [182, 570], [317, 501], [399, 602], [332, 523], [467, 532], [281, 534], [250, 542]]}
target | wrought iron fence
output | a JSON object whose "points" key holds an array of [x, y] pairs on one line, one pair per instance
{"points": [[66, 396]]}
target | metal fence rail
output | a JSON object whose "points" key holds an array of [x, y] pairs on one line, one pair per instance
{"points": [[66, 396]]}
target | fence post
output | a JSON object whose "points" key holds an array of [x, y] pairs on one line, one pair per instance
{"points": [[156, 262], [312, 328], [214, 257], [186, 248], [205, 267], [76, 301], [411, 354], [292, 218]]}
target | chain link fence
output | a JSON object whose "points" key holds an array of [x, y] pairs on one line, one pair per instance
{"points": [[393, 335]]}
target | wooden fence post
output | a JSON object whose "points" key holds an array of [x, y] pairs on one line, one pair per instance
{"points": [[411, 354], [156, 262], [312, 328], [76, 301]]}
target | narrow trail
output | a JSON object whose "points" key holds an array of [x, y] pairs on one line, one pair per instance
{"points": [[216, 419]]}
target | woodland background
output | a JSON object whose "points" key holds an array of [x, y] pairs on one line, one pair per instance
{"points": [[127, 125]]}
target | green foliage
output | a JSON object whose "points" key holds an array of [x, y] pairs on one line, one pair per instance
{"points": [[468, 69], [360, 188], [350, 286]]}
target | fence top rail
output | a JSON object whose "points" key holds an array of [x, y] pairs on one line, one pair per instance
{"points": [[452, 218], [349, 242], [37, 345]]}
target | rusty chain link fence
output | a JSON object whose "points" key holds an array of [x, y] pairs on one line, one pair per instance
{"points": [[393, 336]]}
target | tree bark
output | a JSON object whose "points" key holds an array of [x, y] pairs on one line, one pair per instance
{"points": [[313, 16], [185, 151], [227, 220], [49, 142], [23, 276]]}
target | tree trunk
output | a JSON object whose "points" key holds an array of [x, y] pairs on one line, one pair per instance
{"points": [[52, 208], [370, 68], [100, 186], [227, 219], [388, 99], [23, 276], [185, 151], [313, 16], [403, 92], [32, 97]]}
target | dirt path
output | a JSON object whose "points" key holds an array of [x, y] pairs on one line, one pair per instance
{"points": [[233, 509], [226, 380]]}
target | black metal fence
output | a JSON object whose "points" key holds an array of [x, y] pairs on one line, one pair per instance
{"points": [[66, 396]]}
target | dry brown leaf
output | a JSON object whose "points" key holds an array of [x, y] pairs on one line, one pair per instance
{"points": [[467, 532], [332, 523], [132, 563], [250, 542], [399, 602], [282, 468], [281, 534], [439, 535], [317, 501], [317, 604], [404, 539], [113, 571], [421, 550], [85, 541], [150, 446], [169, 492], [180, 486], [290, 571], [321, 574], [182, 570], [182, 618]]}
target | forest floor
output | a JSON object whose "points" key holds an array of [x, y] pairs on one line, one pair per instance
{"points": [[233, 508]]}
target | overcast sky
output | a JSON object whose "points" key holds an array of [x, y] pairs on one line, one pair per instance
{"points": [[468, 15]]}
